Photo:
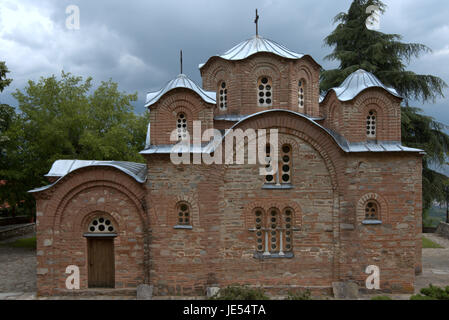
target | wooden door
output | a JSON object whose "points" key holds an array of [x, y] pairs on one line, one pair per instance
{"points": [[101, 271]]}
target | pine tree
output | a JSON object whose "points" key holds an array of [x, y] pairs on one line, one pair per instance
{"points": [[384, 55]]}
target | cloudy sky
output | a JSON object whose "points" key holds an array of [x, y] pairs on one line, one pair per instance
{"points": [[137, 42]]}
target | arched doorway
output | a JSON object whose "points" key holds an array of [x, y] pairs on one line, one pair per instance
{"points": [[100, 253]]}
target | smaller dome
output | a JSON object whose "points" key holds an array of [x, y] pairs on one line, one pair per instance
{"points": [[181, 81], [257, 44], [357, 82]]}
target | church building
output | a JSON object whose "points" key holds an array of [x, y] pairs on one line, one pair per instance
{"points": [[347, 194]]}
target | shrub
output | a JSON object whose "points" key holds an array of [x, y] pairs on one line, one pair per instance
{"points": [[305, 295], [432, 293], [381, 298], [237, 292]]}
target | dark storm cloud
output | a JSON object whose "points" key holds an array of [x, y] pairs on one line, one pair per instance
{"points": [[137, 43]]}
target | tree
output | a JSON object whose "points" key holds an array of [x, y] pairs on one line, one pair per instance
{"points": [[6, 112], [384, 55], [66, 119], [4, 82]]}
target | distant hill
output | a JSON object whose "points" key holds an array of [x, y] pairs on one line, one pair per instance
{"points": [[436, 214]]}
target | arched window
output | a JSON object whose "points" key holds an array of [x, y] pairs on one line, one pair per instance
{"points": [[273, 227], [101, 225], [274, 233], [270, 178], [265, 92], [223, 96], [301, 94], [371, 125], [372, 211], [184, 216], [181, 124], [260, 230], [286, 164], [288, 229], [283, 176]]}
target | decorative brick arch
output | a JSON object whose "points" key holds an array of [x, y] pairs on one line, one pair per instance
{"points": [[192, 201], [86, 214], [94, 184], [379, 200], [219, 70], [164, 112], [387, 113], [288, 124]]}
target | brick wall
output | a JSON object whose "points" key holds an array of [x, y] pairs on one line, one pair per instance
{"points": [[349, 118], [241, 78], [163, 115], [64, 213]]}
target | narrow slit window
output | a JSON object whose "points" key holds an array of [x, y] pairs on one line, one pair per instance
{"points": [[273, 229], [301, 95], [288, 229], [371, 125], [269, 178], [259, 217], [286, 164], [223, 96], [265, 92], [181, 126]]}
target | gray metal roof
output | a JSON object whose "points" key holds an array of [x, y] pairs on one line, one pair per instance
{"points": [[230, 117], [257, 44], [357, 82], [61, 168], [381, 146], [181, 81]]}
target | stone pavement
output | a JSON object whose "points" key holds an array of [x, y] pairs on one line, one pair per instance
{"points": [[17, 268], [435, 264]]}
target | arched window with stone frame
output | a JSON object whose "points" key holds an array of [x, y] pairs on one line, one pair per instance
{"points": [[183, 214], [259, 219], [265, 91], [101, 224], [372, 212], [283, 176], [273, 231], [287, 230], [181, 126], [301, 94], [222, 95], [371, 125]]}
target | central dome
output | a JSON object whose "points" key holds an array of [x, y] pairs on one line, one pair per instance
{"points": [[257, 44]]}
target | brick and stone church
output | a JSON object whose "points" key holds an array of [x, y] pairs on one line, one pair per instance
{"points": [[346, 195]]}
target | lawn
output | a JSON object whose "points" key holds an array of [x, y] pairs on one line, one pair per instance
{"points": [[29, 243], [429, 244]]}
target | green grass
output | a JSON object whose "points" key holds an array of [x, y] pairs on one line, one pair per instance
{"points": [[429, 244], [29, 243]]}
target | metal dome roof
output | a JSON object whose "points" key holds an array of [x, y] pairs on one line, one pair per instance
{"points": [[257, 44], [356, 82], [181, 81]]}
